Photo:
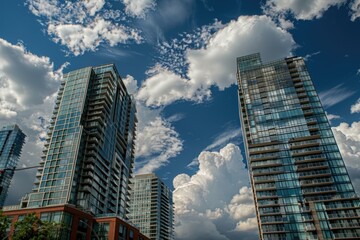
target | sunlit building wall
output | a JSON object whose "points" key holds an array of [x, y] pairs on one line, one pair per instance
{"points": [[151, 207], [300, 183], [89, 152]]}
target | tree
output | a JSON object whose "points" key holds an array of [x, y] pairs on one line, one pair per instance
{"points": [[32, 228], [27, 228], [4, 225]]}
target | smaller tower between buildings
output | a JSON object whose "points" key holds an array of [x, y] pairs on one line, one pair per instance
{"points": [[151, 207], [12, 140]]}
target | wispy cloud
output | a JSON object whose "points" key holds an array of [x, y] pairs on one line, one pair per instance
{"points": [[231, 135], [308, 56], [335, 95], [176, 117], [331, 116]]}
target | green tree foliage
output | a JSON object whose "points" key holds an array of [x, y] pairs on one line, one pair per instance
{"points": [[4, 224], [32, 228]]}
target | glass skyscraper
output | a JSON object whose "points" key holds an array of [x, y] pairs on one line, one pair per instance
{"points": [[12, 140], [151, 207], [300, 184], [89, 153]]}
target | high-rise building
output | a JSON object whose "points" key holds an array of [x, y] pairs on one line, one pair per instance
{"points": [[12, 140], [89, 153], [299, 180], [151, 207]]}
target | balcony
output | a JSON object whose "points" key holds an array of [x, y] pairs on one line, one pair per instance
{"points": [[308, 112], [312, 166], [305, 153], [320, 190], [305, 106], [308, 159], [350, 215], [314, 174], [341, 206], [316, 182], [304, 144], [355, 225]]}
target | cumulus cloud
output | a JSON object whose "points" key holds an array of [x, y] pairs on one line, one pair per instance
{"points": [[164, 87], [83, 25], [22, 74], [300, 10], [348, 140], [203, 205], [334, 95], [246, 35], [355, 108], [139, 8], [355, 9], [130, 84]]}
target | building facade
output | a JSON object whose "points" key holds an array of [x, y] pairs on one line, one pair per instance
{"points": [[151, 207], [12, 140], [299, 180], [89, 153], [77, 224]]}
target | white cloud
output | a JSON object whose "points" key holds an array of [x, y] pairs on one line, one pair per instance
{"points": [[165, 87], [130, 84], [300, 9], [83, 25], [216, 199], [93, 6], [248, 224], [310, 55], [138, 8], [355, 108], [157, 142], [79, 38], [230, 135], [22, 75], [348, 140], [46, 8], [246, 35], [331, 116], [334, 95], [176, 117], [355, 9]]}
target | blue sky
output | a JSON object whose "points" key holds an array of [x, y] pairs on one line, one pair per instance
{"points": [[178, 59]]}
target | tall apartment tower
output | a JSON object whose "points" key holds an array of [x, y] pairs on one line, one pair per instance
{"points": [[300, 184], [89, 153], [12, 140], [151, 207]]}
